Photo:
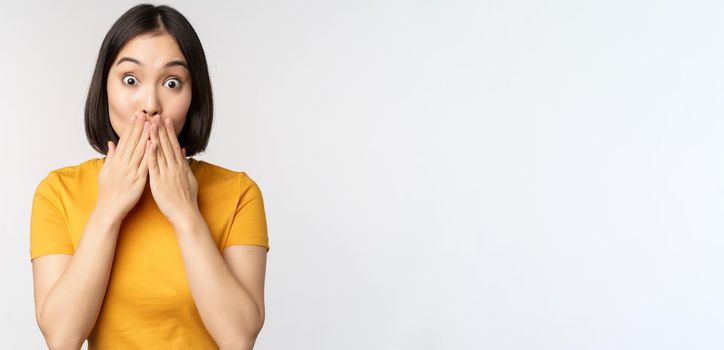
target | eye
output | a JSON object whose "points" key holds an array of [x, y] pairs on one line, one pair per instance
{"points": [[173, 83], [129, 80]]}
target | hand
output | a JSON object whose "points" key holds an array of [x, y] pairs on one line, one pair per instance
{"points": [[173, 185], [124, 172]]}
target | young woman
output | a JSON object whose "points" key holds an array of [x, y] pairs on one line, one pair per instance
{"points": [[146, 248]]}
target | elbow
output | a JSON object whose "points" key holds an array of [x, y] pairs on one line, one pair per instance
{"points": [[246, 338], [63, 343], [245, 342], [60, 339]]}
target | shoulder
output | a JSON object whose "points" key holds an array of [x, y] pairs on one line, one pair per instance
{"points": [[211, 174], [69, 176], [75, 170]]}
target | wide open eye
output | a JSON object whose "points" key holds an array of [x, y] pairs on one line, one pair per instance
{"points": [[129, 80], [173, 83]]}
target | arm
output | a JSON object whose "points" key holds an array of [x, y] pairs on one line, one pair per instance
{"points": [[68, 298], [69, 292], [231, 308], [230, 301]]}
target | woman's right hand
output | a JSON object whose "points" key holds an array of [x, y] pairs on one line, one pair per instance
{"points": [[125, 171]]}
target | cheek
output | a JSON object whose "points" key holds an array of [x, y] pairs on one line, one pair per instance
{"points": [[119, 109], [178, 123], [177, 111]]}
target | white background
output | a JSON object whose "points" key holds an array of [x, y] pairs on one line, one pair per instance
{"points": [[436, 174]]}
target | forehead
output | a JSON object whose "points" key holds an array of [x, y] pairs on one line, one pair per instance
{"points": [[154, 50]]}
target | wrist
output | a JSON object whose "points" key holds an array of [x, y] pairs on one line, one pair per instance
{"points": [[106, 216], [187, 222]]}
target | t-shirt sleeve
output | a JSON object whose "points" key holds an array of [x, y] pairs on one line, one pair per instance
{"points": [[249, 225], [48, 228]]}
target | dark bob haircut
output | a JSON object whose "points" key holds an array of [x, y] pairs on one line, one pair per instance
{"points": [[152, 20]]}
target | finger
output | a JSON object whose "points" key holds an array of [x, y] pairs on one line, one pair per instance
{"points": [[111, 149], [166, 145], [133, 140], [140, 147], [160, 159], [190, 177], [126, 135], [153, 168], [143, 167], [171, 132]]}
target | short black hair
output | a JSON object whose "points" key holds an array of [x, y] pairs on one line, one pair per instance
{"points": [[150, 19]]}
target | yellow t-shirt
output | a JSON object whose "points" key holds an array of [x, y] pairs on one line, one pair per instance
{"points": [[148, 303]]}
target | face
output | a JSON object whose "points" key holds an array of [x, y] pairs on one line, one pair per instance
{"points": [[149, 76]]}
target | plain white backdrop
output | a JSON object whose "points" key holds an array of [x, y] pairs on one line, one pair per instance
{"points": [[437, 174]]}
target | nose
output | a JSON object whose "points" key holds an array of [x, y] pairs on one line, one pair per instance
{"points": [[151, 105]]}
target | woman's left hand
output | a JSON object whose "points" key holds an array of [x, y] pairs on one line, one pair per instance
{"points": [[173, 185]]}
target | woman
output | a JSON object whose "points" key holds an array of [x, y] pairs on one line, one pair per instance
{"points": [[146, 248]]}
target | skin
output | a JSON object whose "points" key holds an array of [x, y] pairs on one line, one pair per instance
{"points": [[148, 89], [149, 81], [148, 92], [147, 109]]}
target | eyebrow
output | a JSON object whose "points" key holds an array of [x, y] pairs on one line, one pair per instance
{"points": [[169, 64]]}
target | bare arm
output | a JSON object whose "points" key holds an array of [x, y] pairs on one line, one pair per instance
{"points": [[232, 309], [67, 308], [69, 292]]}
